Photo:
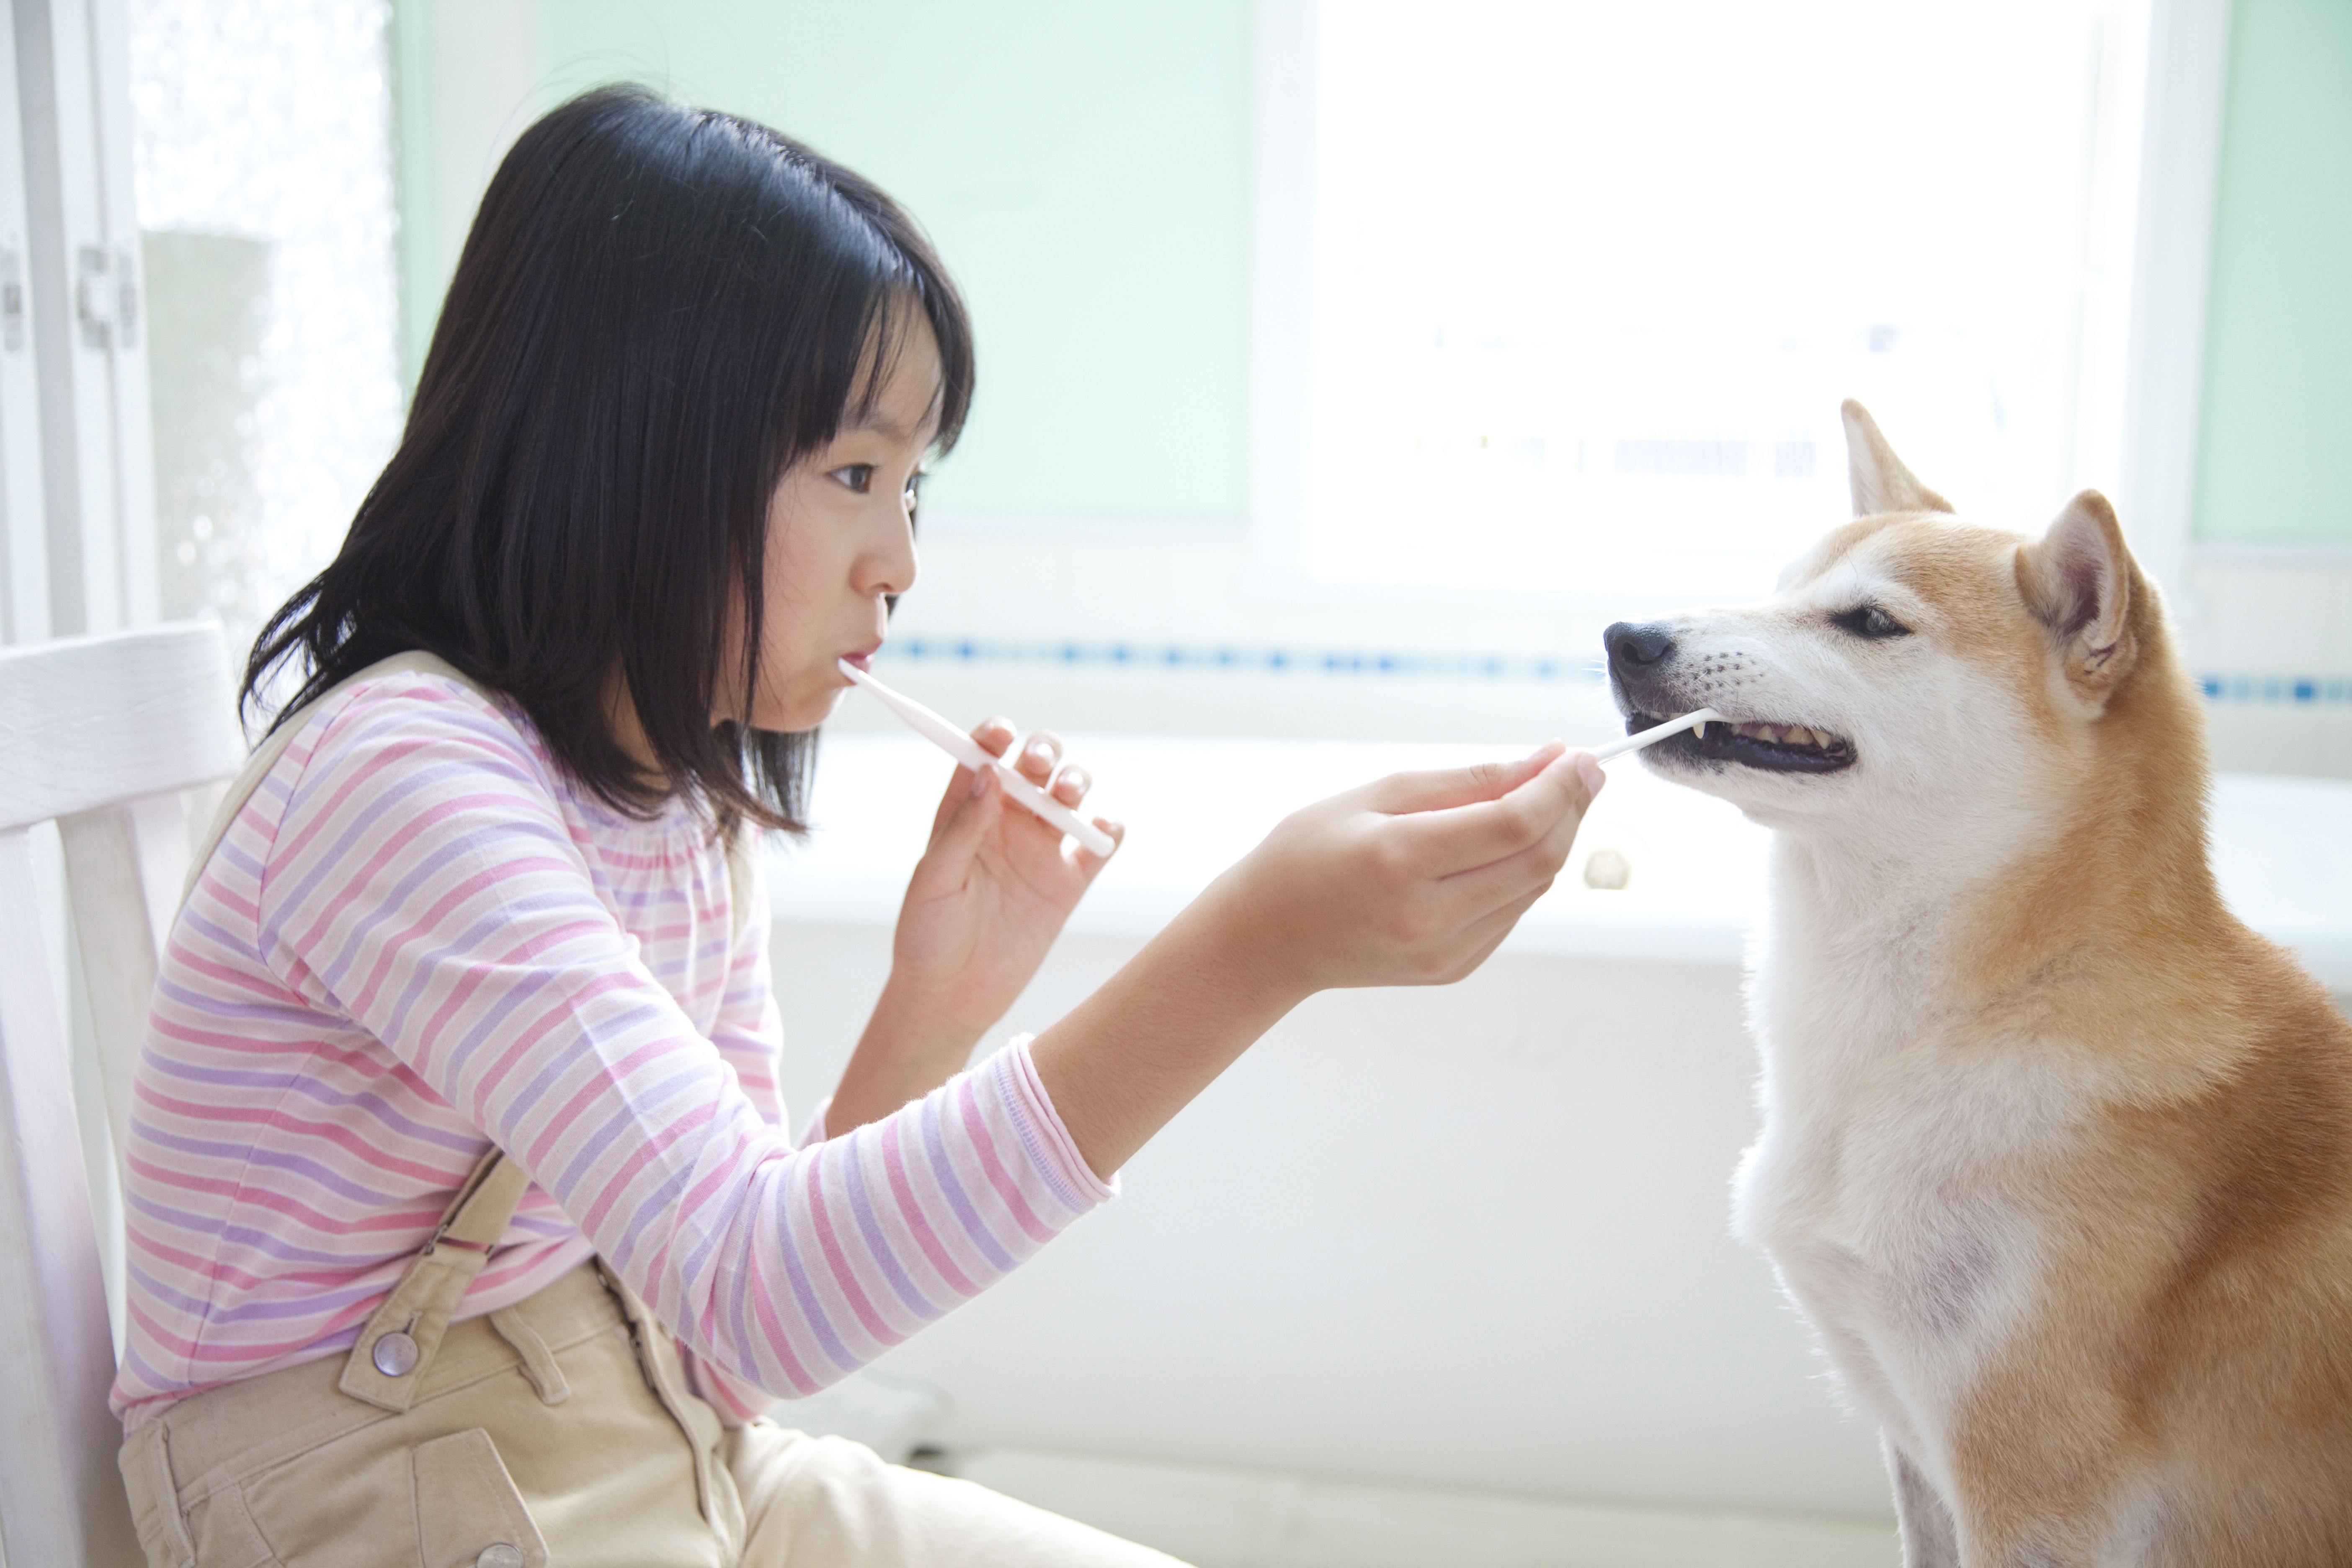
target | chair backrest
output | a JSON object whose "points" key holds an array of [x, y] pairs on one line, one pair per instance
{"points": [[104, 736]]}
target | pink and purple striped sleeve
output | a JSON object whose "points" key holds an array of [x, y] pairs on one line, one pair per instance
{"points": [[423, 884]]}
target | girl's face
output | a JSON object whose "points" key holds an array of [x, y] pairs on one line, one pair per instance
{"points": [[841, 536]]}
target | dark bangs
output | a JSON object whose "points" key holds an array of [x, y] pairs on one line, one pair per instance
{"points": [[658, 312]]}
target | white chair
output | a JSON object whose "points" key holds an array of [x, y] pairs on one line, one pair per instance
{"points": [[105, 736]]}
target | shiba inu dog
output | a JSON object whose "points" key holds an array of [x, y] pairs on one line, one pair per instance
{"points": [[2057, 1154]]}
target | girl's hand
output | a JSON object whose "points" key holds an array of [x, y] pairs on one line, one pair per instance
{"points": [[987, 899], [1411, 879]]}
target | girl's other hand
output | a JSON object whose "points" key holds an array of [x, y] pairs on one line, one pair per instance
{"points": [[985, 902], [996, 885]]}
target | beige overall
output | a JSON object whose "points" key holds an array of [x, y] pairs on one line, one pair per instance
{"points": [[560, 1430]]}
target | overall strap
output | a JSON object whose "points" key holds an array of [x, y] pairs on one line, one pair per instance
{"points": [[396, 1348]]}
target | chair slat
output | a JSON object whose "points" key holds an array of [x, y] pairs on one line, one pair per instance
{"points": [[124, 865], [62, 1498], [87, 721]]}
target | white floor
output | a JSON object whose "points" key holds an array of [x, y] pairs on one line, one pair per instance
{"points": [[1219, 1518], [1224, 1515]]}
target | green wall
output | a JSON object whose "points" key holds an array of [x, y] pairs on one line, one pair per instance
{"points": [[2276, 457], [1082, 165], [1084, 168]]}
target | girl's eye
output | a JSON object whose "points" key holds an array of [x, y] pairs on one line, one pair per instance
{"points": [[1869, 621], [914, 491], [856, 477]]}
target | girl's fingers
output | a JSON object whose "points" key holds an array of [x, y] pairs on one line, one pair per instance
{"points": [[1088, 861], [1070, 785], [1539, 809], [1439, 789], [1041, 754], [1471, 895], [994, 735]]}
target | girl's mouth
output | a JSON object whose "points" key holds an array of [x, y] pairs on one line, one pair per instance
{"points": [[863, 657]]}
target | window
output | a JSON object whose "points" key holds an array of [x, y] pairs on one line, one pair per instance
{"points": [[263, 162], [1590, 280]]}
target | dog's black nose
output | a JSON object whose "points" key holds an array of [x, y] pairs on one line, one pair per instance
{"points": [[1631, 647]]}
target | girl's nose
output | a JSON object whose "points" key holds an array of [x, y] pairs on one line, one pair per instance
{"points": [[889, 570]]}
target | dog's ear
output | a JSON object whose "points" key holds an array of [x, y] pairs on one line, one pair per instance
{"points": [[2077, 580], [1881, 482]]}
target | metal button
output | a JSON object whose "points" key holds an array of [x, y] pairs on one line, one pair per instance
{"points": [[394, 1355], [498, 1554]]}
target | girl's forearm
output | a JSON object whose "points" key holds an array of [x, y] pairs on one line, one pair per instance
{"points": [[1137, 1050], [905, 1052], [1121, 1063]]}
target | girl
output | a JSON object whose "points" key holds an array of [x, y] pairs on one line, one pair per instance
{"points": [[463, 1227]]}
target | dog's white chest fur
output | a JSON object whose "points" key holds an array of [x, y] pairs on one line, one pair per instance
{"points": [[1877, 1183]]}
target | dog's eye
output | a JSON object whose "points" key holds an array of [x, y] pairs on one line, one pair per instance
{"points": [[1869, 621]]}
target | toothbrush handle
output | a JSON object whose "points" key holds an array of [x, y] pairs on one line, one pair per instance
{"points": [[967, 751]]}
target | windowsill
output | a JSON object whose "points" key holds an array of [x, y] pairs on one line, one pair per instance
{"points": [[1696, 892]]}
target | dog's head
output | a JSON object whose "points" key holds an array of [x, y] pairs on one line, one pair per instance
{"points": [[1911, 668]]}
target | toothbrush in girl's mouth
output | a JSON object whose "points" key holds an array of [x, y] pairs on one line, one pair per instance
{"points": [[967, 751], [1698, 720]]}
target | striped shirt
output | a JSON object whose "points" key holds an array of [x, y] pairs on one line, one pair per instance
{"points": [[416, 938]]}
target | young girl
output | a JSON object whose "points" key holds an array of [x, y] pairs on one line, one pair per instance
{"points": [[464, 1225]]}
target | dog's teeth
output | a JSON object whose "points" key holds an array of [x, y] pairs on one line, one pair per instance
{"points": [[1797, 735], [1768, 732]]}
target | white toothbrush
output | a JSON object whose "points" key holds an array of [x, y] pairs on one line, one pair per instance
{"points": [[1697, 720], [966, 751]]}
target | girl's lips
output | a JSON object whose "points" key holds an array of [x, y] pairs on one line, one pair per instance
{"points": [[862, 660]]}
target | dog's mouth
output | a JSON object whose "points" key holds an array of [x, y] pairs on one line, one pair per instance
{"points": [[1775, 748]]}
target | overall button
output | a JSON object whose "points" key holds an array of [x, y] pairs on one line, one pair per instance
{"points": [[498, 1554], [394, 1355]]}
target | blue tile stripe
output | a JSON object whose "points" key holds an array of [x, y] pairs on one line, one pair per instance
{"points": [[1240, 658], [2300, 690], [2305, 690]]}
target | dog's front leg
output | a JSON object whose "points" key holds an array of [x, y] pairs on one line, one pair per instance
{"points": [[1930, 1539]]}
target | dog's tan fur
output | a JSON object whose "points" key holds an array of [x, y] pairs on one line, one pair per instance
{"points": [[2174, 1383]]}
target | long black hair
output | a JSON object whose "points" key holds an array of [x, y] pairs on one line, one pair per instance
{"points": [[657, 312]]}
